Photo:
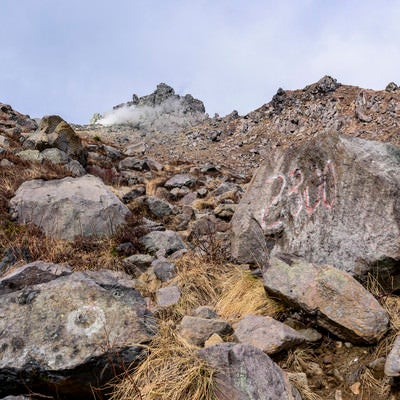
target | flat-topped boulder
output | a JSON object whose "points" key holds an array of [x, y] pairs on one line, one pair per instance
{"points": [[69, 207]]}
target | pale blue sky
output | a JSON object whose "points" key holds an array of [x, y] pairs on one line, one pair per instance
{"points": [[76, 57]]}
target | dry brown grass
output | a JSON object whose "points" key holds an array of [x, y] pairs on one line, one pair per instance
{"points": [[373, 388], [303, 388], [172, 370], [203, 204], [153, 184], [80, 254], [242, 293], [200, 282]]}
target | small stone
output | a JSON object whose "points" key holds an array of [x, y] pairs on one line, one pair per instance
{"points": [[168, 296], [169, 241], [206, 312], [213, 339], [197, 330], [5, 163], [338, 395], [311, 335], [355, 388], [137, 263], [164, 270], [180, 180]]}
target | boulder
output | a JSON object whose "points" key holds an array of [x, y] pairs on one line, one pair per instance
{"points": [[244, 372], [334, 298], [55, 132], [332, 200], [69, 207], [267, 334], [168, 296], [63, 332]]}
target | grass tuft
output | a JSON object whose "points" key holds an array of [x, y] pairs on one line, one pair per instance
{"points": [[242, 294], [172, 370]]}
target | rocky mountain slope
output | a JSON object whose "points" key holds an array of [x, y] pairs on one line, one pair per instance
{"points": [[151, 254]]}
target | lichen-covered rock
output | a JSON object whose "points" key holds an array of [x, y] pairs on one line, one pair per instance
{"points": [[244, 372], [63, 331], [332, 200], [334, 298], [69, 207]]}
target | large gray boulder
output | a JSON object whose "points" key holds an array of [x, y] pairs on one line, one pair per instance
{"points": [[63, 331], [55, 132], [244, 372], [333, 200], [334, 298], [69, 207]]}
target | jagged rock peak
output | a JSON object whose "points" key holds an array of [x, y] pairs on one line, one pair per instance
{"points": [[163, 94], [325, 85]]}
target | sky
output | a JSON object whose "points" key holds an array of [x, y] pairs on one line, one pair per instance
{"points": [[77, 57]]}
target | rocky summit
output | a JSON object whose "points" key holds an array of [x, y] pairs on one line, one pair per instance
{"points": [[160, 253]]}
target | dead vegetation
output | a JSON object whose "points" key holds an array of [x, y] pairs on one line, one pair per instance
{"points": [[172, 370]]}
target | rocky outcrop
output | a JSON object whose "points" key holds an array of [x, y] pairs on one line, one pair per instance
{"points": [[332, 200], [162, 110], [62, 332], [55, 132], [14, 123], [336, 300], [69, 207], [244, 372]]}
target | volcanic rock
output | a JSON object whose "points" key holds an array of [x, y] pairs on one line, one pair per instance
{"points": [[336, 300], [64, 332], [69, 207], [244, 372], [332, 200], [55, 132]]}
